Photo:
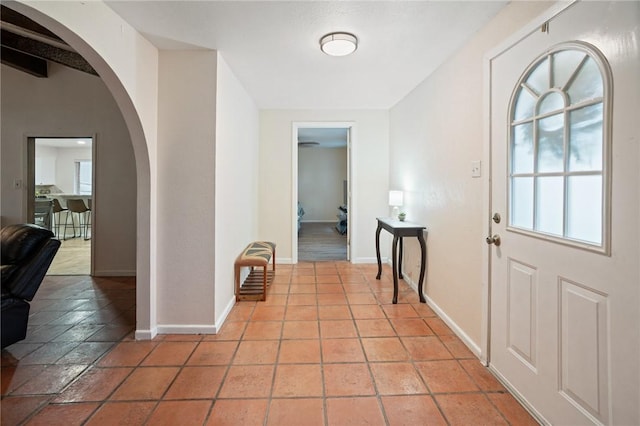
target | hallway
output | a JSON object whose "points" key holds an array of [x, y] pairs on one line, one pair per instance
{"points": [[326, 348]]}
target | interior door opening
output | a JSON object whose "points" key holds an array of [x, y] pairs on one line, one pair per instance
{"points": [[60, 177], [322, 192]]}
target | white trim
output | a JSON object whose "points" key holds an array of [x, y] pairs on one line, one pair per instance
{"points": [[225, 313], [509, 42], [370, 260], [94, 202], [186, 329], [115, 273], [146, 334], [284, 261], [351, 125], [294, 192]]}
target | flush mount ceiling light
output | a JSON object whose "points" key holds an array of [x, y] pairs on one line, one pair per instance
{"points": [[338, 44]]}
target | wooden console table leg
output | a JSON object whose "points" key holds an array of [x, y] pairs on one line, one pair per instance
{"points": [[400, 260], [378, 251], [423, 264], [395, 269]]}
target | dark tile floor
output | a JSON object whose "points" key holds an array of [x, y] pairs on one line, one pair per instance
{"points": [[326, 348]]}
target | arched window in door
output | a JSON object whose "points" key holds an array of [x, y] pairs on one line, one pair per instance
{"points": [[559, 148]]}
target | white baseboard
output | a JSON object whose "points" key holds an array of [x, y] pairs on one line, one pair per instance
{"points": [[114, 273], [225, 313], [283, 261], [320, 221], [146, 334], [369, 260], [186, 329], [473, 347]]}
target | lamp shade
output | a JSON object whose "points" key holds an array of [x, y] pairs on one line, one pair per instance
{"points": [[396, 198]]}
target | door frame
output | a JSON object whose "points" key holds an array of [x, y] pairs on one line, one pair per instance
{"points": [[351, 144], [533, 26], [29, 200]]}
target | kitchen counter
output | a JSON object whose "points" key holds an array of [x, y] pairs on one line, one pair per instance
{"points": [[63, 197]]}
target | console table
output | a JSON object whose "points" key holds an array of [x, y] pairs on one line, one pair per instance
{"points": [[399, 230]]}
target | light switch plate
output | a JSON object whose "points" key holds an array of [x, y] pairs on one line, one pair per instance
{"points": [[476, 169]]}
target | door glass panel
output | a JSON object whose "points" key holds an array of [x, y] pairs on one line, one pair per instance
{"points": [[522, 155], [551, 144], [558, 144], [551, 102], [522, 202], [549, 204], [525, 103], [587, 84], [539, 78], [584, 199], [564, 65], [585, 139]]}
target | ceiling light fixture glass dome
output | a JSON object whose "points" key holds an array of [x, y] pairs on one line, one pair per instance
{"points": [[338, 44]]}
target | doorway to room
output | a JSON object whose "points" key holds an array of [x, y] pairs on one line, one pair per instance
{"points": [[60, 177], [322, 194]]}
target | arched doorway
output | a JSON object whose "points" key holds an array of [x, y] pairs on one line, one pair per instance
{"points": [[70, 22]]}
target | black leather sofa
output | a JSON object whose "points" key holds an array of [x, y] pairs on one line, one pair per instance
{"points": [[27, 252]]}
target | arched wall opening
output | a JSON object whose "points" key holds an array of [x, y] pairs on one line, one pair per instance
{"points": [[76, 29]]}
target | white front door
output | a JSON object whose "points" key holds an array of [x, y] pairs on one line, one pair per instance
{"points": [[565, 277]]}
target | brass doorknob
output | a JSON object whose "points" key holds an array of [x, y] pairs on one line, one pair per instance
{"points": [[494, 240]]}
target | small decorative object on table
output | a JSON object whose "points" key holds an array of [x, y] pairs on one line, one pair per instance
{"points": [[402, 216]]}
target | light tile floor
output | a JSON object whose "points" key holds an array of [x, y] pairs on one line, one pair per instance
{"points": [[326, 348]]}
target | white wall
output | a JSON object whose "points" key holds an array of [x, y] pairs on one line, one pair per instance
{"points": [[66, 167], [71, 103], [186, 190], [46, 159], [321, 176], [435, 133], [370, 165], [236, 192]]}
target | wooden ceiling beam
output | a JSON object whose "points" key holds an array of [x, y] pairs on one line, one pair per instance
{"points": [[45, 51], [23, 62], [10, 16]]}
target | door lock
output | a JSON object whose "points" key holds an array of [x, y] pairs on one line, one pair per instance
{"points": [[494, 240], [496, 217]]}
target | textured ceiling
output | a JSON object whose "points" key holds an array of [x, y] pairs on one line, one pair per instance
{"points": [[273, 47]]}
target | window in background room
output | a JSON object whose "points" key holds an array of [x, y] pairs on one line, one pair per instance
{"points": [[82, 178]]}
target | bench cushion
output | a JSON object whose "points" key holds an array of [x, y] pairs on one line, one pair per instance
{"points": [[258, 253]]}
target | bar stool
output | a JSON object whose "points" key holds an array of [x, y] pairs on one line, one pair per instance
{"points": [[43, 213], [77, 206], [56, 209]]}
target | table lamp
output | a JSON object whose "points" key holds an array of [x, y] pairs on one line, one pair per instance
{"points": [[395, 201]]}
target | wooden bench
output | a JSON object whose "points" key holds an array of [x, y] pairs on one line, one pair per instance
{"points": [[256, 256]]}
